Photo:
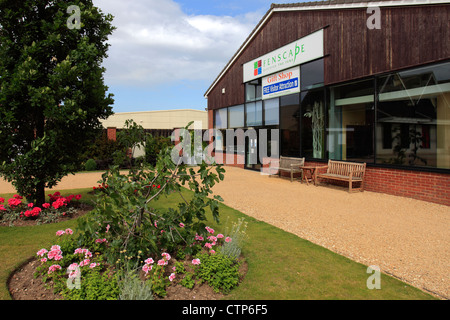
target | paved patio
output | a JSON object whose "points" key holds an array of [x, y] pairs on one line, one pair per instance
{"points": [[406, 238]]}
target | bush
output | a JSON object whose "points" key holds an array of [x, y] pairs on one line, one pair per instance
{"points": [[219, 271], [95, 285], [90, 165], [133, 288]]}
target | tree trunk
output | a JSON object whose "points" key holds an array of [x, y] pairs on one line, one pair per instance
{"points": [[40, 193]]}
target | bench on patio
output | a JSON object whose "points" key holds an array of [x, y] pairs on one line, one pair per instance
{"points": [[292, 165], [343, 171]]}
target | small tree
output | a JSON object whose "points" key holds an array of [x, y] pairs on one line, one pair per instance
{"points": [[52, 93], [126, 217]]}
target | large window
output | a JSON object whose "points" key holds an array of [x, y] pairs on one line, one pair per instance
{"points": [[413, 117], [220, 122], [253, 90], [253, 112], [221, 119], [272, 111], [289, 124], [311, 75], [236, 117], [313, 124], [351, 120]]}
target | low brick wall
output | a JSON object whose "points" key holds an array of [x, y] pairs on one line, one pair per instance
{"points": [[426, 186]]}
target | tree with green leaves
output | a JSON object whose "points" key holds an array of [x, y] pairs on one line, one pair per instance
{"points": [[52, 91]]}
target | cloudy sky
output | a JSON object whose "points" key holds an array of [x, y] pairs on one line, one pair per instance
{"points": [[166, 53]]}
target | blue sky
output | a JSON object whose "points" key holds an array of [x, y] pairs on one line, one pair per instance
{"points": [[165, 53]]}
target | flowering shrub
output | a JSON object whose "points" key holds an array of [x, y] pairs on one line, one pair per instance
{"points": [[50, 211], [125, 204], [220, 271], [72, 267]]}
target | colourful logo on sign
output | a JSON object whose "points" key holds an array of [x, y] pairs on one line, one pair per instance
{"points": [[257, 68]]}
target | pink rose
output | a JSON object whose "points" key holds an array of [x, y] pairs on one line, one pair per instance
{"points": [[196, 261]]}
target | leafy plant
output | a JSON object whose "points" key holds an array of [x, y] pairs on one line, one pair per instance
{"points": [[90, 165], [188, 281], [95, 285], [133, 288], [126, 207], [219, 271]]}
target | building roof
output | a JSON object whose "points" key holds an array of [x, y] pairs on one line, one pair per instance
{"points": [[318, 5]]}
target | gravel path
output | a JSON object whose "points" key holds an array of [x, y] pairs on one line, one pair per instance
{"points": [[406, 238]]}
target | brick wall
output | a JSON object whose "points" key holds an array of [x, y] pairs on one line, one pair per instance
{"points": [[111, 133], [427, 186]]}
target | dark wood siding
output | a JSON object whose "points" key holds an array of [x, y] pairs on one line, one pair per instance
{"points": [[409, 36]]}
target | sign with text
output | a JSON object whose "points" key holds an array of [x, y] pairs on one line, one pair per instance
{"points": [[293, 54], [281, 83]]}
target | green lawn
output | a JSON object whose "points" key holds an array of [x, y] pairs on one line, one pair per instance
{"points": [[281, 265]]}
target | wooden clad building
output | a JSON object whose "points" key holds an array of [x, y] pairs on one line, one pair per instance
{"points": [[373, 86]]}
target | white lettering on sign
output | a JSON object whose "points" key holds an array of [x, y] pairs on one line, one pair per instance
{"points": [[281, 83]]}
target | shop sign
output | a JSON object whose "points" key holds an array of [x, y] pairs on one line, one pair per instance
{"points": [[281, 83], [293, 54]]}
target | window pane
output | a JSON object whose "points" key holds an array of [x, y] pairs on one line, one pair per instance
{"points": [[311, 75], [413, 117], [271, 111], [253, 90], [254, 113], [220, 119], [313, 124], [236, 116], [289, 125], [351, 117]]}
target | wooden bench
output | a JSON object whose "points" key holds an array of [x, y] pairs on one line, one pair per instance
{"points": [[343, 171], [291, 165]]}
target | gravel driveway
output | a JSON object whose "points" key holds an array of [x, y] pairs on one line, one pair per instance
{"points": [[406, 238]]}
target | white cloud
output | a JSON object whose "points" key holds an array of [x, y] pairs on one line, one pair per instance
{"points": [[156, 42]]}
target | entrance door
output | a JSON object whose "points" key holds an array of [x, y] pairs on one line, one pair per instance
{"points": [[252, 160]]}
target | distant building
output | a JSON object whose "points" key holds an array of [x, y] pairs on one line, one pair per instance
{"points": [[158, 123]]}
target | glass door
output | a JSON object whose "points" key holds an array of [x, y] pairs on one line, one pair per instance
{"points": [[252, 161]]}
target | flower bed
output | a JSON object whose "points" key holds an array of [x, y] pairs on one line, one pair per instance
{"points": [[16, 212], [74, 272]]}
